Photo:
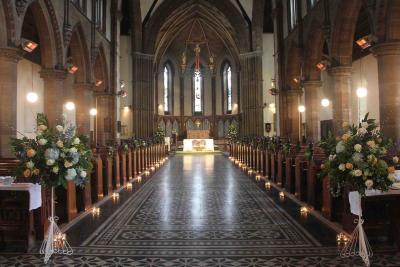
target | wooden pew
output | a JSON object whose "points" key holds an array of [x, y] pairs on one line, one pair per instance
{"points": [[290, 171], [301, 175]]}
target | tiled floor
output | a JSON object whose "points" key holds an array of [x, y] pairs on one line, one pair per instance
{"points": [[200, 210]]}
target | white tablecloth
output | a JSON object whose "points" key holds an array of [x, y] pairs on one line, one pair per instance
{"points": [[35, 192], [188, 144], [355, 200]]}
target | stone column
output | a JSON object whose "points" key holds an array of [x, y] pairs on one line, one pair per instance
{"points": [[83, 102], [9, 58], [311, 89], [53, 93], [388, 56], [104, 123], [214, 108], [294, 123], [182, 102], [342, 93]]}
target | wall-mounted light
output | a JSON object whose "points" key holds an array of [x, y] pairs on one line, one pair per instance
{"points": [[362, 92], [99, 82], [366, 41], [127, 108], [122, 84], [32, 97], [72, 68], [296, 79], [325, 102], [70, 105], [323, 65], [93, 112], [122, 93], [272, 108], [28, 45], [301, 108], [161, 107]]}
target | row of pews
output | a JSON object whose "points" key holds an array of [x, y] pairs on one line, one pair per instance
{"points": [[111, 171], [295, 171]]}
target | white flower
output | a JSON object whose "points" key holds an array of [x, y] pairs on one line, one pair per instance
{"points": [[30, 164], [52, 153], [50, 162], [396, 159], [42, 141], [73, 150], [67, 164], [76, 141], [83, 174], [42, 127], [71, 174], [340, 147], [357, 157], [357, 173], [55, 169], [369, 183], [332, 157], [342, 167], [59, 128], [358, 147], [362, 131], [364, 124], [60, 144], [392, 177]]}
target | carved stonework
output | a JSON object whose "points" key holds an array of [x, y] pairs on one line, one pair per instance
{"points": [[21, 5], [95, 51], [67, 30], [53, 74], [10, 54], [56, 30]]}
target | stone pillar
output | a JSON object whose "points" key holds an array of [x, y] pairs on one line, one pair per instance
{"points": [[311, 89], [214, 108], [342, 94], [9, 58], [83, 102], [294, 123], [104, 124], [54, 92], [182, 102], [388, 56]]}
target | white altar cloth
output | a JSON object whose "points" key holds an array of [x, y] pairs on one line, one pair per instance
{"points": [[35, 192], [192, 145]]}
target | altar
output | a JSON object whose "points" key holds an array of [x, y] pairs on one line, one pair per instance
{"points": [[198, 145]]}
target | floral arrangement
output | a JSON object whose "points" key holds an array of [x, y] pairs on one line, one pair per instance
{"points": [[233, 132], [55, 156], [358, 159], [159, 136]]}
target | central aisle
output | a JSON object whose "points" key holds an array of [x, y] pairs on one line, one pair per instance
{"points": [[198, 210]]}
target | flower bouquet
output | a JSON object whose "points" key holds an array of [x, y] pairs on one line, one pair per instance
{"points": [[358, 159], [358, 162], [55, 157]]}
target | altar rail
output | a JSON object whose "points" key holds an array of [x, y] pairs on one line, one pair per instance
{"points": [[110, 172], [294, 173]]}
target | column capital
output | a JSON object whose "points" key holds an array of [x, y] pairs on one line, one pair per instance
{"points": [[312, 83], [295, 92], [11, 54], [84, 86], [53, 74], [386, 49], [341, 71]]}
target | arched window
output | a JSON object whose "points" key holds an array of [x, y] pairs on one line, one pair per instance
{"points": [[227, 83], [197, 92], [167, 89]]}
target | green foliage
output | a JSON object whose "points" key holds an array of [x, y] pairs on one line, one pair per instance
{"points": [[54, 157], [233, 132], [356, 160]]}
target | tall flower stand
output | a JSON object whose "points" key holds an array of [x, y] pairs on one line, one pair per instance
{"points": [[358, 244], [55, 241]]}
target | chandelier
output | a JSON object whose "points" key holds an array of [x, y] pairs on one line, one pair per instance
{"points": [[197, 42]]}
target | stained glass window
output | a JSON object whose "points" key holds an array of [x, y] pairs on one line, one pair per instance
{"points": [[166, 88], [228, 87], [197, 92]]}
